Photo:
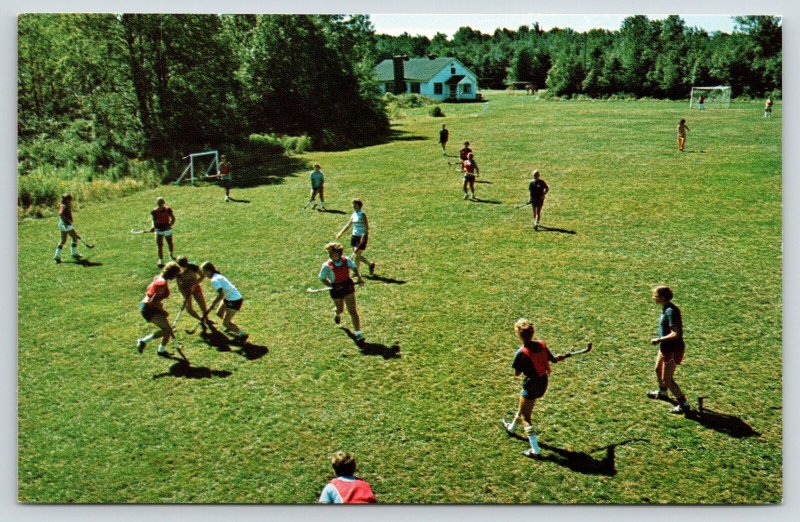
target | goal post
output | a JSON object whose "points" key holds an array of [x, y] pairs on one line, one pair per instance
{"points": [[201, 165], [718, 97]]}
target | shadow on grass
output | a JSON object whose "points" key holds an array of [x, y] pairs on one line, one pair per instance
{"points": [[82, 262], [398, 135], [269, 170], [484, 181], [234, 200], [182, 369], [543, 228], [384, 280], [368, 348], [222, 343], [582, 462], [332, 211], [722, 422], [490, 201]]}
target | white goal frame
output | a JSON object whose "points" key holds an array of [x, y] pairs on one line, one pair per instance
{"points": [[718, 97], [194, 173]]}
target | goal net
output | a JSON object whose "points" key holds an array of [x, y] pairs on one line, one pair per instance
{"points": [[201, 165], [718, 97]]}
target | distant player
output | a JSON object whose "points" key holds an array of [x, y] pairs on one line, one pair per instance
{"points": [[465, 152], [538, 189], [225, 176], [682, 129], [317, 178], [346, 488], [768, 108], [671, 349], [152, 308], [335, 272], [66, 227], [231, 300], [701, 102], [444, 135], [360, 238], [163, 219], [189, 284], [471, 170], [532, 360]]}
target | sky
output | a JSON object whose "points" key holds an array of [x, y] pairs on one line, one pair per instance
{"points": [[429, 24]]}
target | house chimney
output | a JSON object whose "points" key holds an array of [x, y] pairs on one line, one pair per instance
{"points": [[399, 74]]}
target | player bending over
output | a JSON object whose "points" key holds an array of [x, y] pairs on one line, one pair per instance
{"points": [[189, 284], [231, 300], [532, 360], [152, 308]]}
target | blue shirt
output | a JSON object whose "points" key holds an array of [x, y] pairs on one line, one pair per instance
{"points": [[317, 178], [359, 228], [670, 321]]}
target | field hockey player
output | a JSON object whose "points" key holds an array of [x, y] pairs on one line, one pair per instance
{"points": [[189, 284], [346, 488], [671, 349], [537, 189], [317, 178], [471, 170], [229, 300], [532, 360], [66, 228], [152, 308], [358, 220], [335, 273], [163, 219]]}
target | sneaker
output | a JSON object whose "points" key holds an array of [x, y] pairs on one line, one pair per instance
{"points": [[163, 354], [681, 409], [507, 426], [466, 196], [244, 337], [337, 318], [359, 337], [531, 454], [77, 257], [57, 260], [657, 394], [371, 268], [536, 227], [140, 345]]}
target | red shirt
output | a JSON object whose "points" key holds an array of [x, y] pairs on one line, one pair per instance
{"points": [[162, 217], [354, 492], [464, 153], [158, 290], [540, 360], [340, 273], [469, 167]]}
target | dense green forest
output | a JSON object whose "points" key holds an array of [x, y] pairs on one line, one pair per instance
{"points": [[103, 91]]}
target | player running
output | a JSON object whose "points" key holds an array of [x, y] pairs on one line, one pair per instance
{"points": [[671, 349], [225, 176], [152, 308], [163, 219], [66, 227], [465, 152], [360, 237], [532, 359], [471, 170], [317, 178], [335, 273], [231, 300], [346, 488], [189, 284], [538, 189], [682, 129], [444, 135]]}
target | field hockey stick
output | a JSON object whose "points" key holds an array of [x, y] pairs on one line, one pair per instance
{"points": [[85, 243], [581, 351], [522, 204], [317, 290], [140, 231], [177, 343]]}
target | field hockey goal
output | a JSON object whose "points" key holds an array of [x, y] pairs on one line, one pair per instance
{"points": [[718, 97], [202, 165]]}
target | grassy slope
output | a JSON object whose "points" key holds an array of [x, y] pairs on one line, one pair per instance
{"points": [[99, 423]]}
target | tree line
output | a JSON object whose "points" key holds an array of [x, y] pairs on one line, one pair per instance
{"points": [[100, 89]]}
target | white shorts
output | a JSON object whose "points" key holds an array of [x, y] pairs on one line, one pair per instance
{"points": [[165, 233], [65, 228]]}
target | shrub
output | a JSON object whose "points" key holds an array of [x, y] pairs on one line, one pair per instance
{"points": [[274, 143], [436, 112]]}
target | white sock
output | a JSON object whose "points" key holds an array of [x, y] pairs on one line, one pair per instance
{"points": [[162, 348], [513, 425], [73, 248], [147, 338], [532, 439], [58, 252], [358, 333]]}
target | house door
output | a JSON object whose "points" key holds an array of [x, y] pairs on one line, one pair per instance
{"points": [[453, 90]]}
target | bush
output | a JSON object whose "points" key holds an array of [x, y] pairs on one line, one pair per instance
{"points": [[273, 143], [436, 112]]}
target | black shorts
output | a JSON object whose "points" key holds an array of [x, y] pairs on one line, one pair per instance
{"points": [[469, 178], [148, 312], [359, 242], [534, 388], [343, 289], [234, 305], [537, 202]]}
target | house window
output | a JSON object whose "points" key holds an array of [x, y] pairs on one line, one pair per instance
{"points": [[467, 88], [452, 70], [415, 88], [389, 86], [437, 88]]}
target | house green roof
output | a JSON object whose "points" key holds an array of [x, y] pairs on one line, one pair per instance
{"points": [[416, 69]]}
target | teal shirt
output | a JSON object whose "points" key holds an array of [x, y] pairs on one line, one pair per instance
{"points": [[317, 179], [359, 228], [671, 321]]}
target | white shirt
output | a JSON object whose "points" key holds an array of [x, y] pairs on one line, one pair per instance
{"points": [[229, 292]]}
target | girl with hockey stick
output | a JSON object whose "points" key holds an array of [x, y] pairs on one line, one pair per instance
{"points": [[163, 219], [360, 237], [152, 308], [66, 228], [335, 273], [231, 300], [532, 360], [189, 284], [471, 170]]}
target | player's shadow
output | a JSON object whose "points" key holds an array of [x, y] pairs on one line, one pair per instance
{"points": [[332, 211], [222, 343], [490, 201], [368, 348], [234, 200], [83, 262], [182, 369], [582, 462], [385, 280], [484, 181], [543, 228], [723, 423]]}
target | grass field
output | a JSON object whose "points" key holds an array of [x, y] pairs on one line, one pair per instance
{"points": [[100, 423]]}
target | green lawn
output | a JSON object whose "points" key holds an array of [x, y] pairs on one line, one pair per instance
{"points": [[100, 423]]}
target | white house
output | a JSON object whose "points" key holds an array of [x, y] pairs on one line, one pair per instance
{"points": [[440, 78]]}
